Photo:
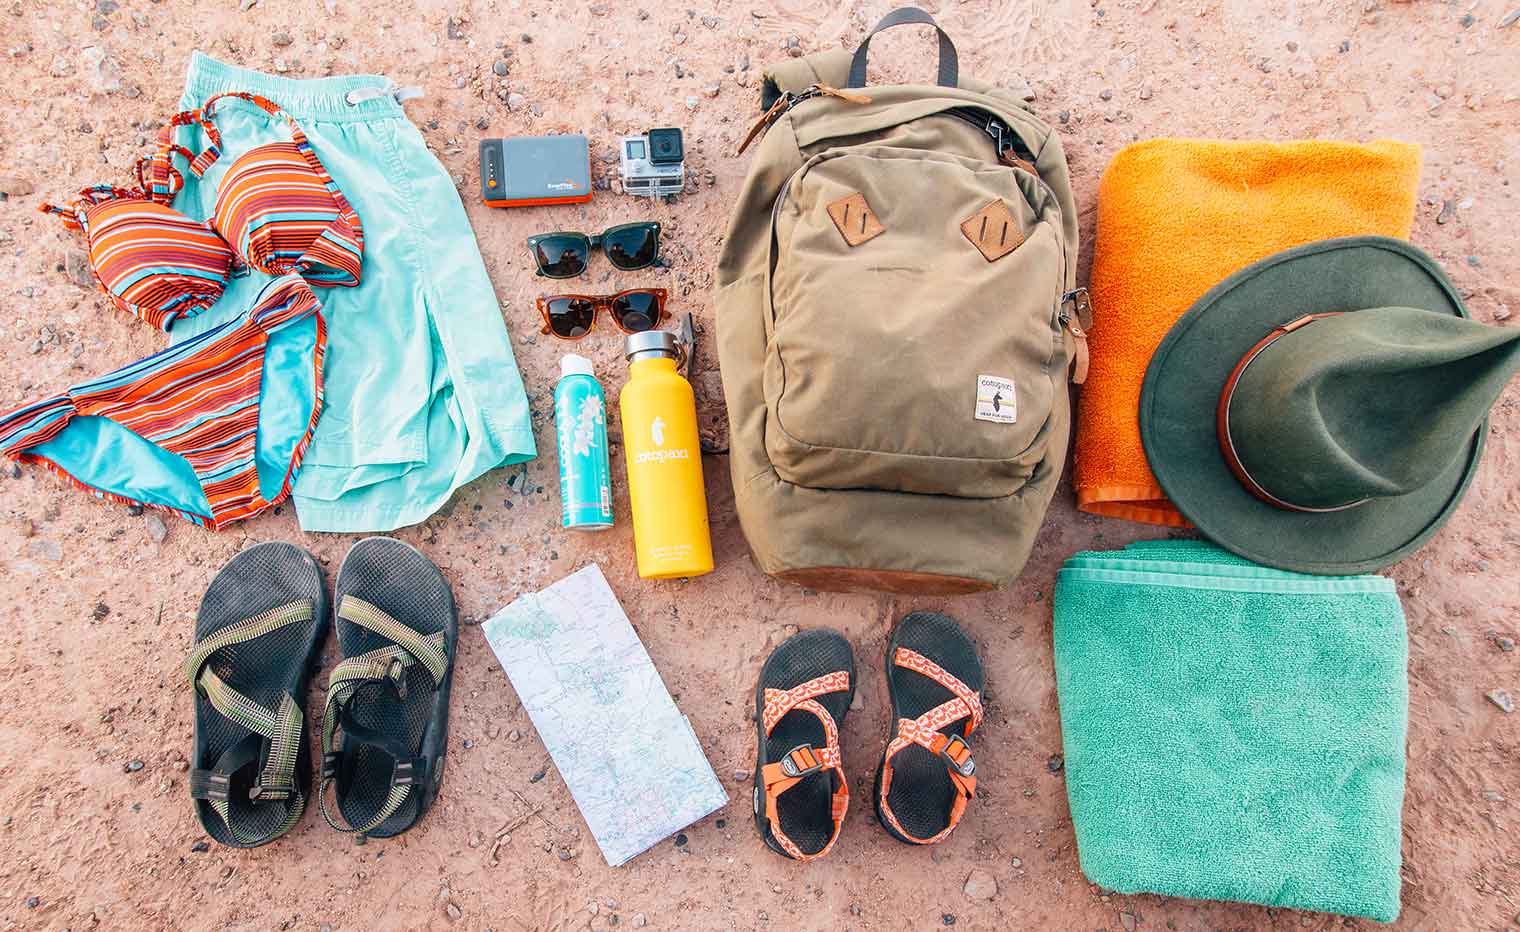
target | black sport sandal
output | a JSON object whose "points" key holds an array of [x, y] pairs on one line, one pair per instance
{"points": [[927, 776], [389, 697]]}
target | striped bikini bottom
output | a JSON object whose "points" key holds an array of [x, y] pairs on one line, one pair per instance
{"points": [[212, 429]]}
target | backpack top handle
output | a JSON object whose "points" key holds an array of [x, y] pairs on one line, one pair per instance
{"points": [[949, 62]]}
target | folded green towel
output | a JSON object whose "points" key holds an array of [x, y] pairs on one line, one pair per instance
{"points": [[1233, 732]]}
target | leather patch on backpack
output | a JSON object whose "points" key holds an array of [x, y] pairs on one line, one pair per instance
{"points": [[994, 230], [855, 219]]}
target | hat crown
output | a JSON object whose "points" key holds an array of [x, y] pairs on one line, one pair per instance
{"points": [[1338, 409]]}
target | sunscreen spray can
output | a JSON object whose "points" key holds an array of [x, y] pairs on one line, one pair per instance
{"points": [[580, 424], [664, 456]]}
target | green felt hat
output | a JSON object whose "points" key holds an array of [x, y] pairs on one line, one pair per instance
{"points": [[1324, 409]]}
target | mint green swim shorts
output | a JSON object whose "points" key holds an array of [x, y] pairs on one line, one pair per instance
{"points": [[422, 392]]}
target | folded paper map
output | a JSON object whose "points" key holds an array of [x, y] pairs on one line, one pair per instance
{"points": [[630, 758]]}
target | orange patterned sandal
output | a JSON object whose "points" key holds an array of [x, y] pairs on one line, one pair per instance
{"points": [[801, 793], [927, 776]]}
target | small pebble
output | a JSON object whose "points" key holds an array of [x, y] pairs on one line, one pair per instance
{"points": [[201, 847], [639, 921], [133, 766], [1055, 763], [565, 855], [1505, 644], [500, 67], [32, 902], [1501, 698], [681, 839], [1105, 94], [156, 528]]}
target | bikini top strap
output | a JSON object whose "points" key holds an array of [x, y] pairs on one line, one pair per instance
{"points": [[200, 163], [73, 214], [156, 174]]}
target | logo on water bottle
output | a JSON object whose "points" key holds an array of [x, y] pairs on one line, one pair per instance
{"points": [[657, 434]]}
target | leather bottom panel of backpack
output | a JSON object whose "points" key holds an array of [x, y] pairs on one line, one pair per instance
{"points": [[852, 579]]}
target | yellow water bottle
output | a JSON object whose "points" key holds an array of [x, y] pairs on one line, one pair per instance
{"points": [[664, 457]]}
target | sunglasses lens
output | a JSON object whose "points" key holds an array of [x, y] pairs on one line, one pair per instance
{"points": [[570, 317], [561, 256], [637, 311], [633, 247]]}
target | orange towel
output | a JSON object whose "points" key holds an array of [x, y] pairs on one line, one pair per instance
{"points": [[1176, 217]]}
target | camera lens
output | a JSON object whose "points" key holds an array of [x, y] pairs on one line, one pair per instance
{"points": [[665, 146]]}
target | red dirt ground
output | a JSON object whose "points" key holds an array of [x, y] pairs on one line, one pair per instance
{"points": [[100, 614]]}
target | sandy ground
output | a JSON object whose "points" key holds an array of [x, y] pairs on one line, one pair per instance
{"points": [[95, 823]]}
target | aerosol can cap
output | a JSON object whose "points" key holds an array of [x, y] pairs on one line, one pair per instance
{"points": [[571, 364]]}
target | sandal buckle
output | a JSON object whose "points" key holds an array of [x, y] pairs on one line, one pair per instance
{"points": [[957, 754], [410, 772], [801, 761], [330, 763]]}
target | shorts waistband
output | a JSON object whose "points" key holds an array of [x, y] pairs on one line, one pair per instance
{"points": [[320, 99]]}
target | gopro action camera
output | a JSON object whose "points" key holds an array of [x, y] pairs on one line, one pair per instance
{"points": [[653, 165]]}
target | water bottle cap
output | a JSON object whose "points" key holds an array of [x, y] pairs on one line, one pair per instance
{"points": [[661, 342], [571, 364]]}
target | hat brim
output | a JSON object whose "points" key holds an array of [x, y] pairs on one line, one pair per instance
{"points": [[1180, 395]]}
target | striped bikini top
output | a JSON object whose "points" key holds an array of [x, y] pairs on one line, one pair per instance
{"points": [[277, 210]]}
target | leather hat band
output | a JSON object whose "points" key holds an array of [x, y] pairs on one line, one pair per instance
{"points": [[1222, 420]]}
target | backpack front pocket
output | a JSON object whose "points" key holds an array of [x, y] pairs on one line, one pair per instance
{"points": [[913, 335]]}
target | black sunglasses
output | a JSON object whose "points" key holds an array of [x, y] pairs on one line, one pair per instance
{"points": [[628, 246]]}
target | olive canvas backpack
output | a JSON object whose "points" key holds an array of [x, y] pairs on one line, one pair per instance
{"points": [[897, 323]]}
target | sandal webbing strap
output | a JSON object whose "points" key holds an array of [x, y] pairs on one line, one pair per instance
{"points": [[926, 732], [805, 760], [428, 650], [918, 663], [386, 663], [246, 630], [778, 702], [281, 726], [392, 805]]}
